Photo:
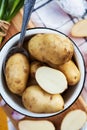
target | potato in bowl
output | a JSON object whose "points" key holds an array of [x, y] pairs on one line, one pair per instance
{"points": [[70, 94]]}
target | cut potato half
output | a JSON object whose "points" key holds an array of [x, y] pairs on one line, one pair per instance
{"points": [[36, 125], [51, 80], [74, 120], [80, 29]]}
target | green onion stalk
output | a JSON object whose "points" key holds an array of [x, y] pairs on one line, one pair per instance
{"points": [[8, 9]]}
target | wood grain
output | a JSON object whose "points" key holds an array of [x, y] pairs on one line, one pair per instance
{"points": [[15, 27], [79, 104]]}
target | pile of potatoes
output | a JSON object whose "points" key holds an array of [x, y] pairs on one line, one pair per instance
{"points": [[52, 51]]}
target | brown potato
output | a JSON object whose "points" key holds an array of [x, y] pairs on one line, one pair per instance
{"points": [[33, 67], [51, 48], [71, 72], [16, 73], [37, 100]]}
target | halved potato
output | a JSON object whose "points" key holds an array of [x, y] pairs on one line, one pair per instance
{"points": [[74, 120], [79, 29], [35, 125], [51, 80]]}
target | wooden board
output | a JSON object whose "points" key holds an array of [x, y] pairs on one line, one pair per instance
{"points": [[79, 104], [15, 27]]}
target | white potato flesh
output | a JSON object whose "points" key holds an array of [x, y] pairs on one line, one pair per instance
{"points": [[80, 29], [74, 120], [51, 80], [35, 125]]}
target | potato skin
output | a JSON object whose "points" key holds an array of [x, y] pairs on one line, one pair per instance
{"points": [[37, 100], [16, 73], [51, 48], [71, 72], [33, 67]]}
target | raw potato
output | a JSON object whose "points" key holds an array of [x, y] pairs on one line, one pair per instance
{"points": [[33, 67], [16, 73], [74, 120], [51, 48], [35, 125], [80, 29], [51, 80], [37, 100], [71, 72]]}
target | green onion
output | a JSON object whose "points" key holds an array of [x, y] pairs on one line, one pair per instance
{"points": [[8, 9]]}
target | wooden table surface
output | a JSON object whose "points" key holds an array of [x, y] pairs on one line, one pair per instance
{"points": [[15, 27]]}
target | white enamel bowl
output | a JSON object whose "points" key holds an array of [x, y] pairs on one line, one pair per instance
{"points": [[15, 102]]}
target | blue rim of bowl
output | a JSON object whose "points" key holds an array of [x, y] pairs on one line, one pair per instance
{"points": [[83, 80]]}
